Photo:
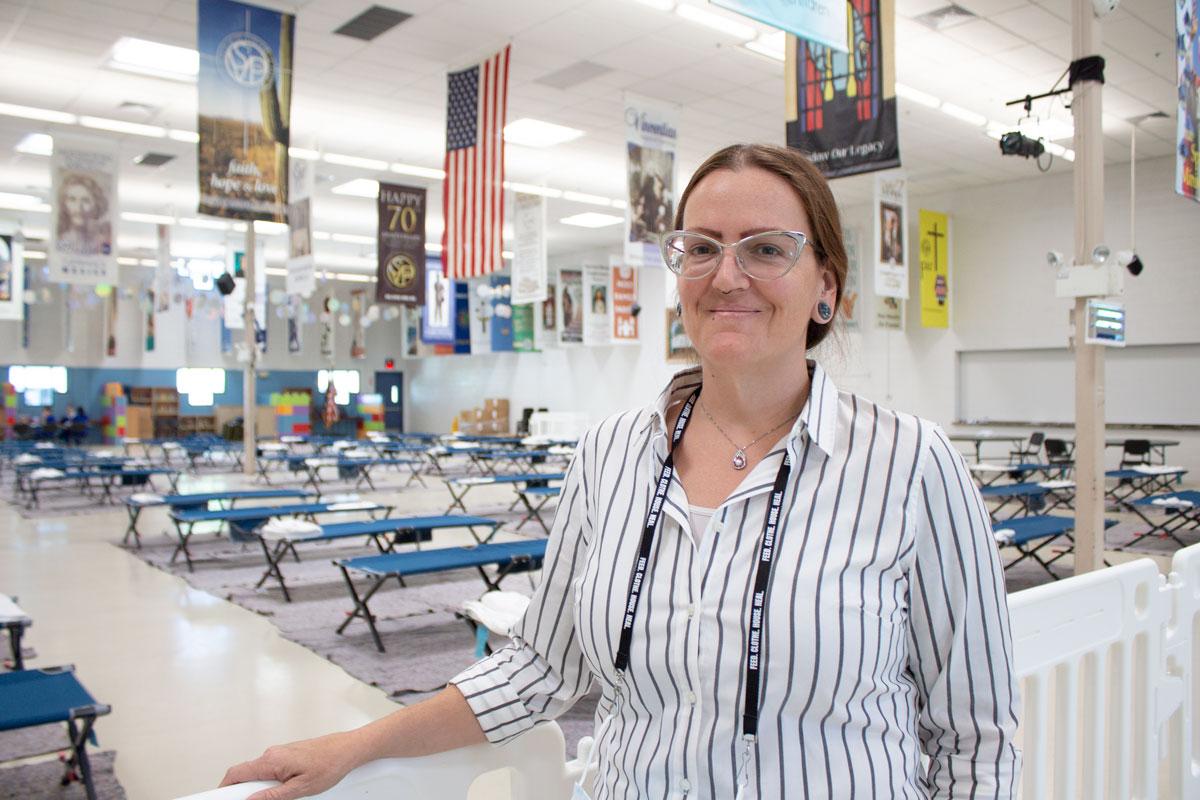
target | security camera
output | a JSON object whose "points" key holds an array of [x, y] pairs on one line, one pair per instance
{"points": [[1102, 8], [1055, 259], [1130, 261], [634, 310]]}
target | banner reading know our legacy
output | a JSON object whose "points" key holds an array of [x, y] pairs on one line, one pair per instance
{"points": [[935, 269], [1187, 61], [651, 138], [891, 242], [84, 216], [529, 248], [401, 245], [245, 100], [841, 107], [12, 278]]}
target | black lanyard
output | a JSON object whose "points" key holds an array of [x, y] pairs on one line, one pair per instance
{"points": [[762, 577]]}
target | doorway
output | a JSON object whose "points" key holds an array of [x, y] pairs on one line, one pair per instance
{"points": [[390, 385]]}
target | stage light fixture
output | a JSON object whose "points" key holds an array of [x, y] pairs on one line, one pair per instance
{"points": [[1015, 143]]}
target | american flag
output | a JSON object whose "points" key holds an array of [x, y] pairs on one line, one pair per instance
{"points": [[473, 194]]}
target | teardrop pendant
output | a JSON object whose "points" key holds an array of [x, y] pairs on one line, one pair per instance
{"points": [[739, 460]]}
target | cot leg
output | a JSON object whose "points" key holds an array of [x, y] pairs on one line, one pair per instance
{"points": [[79, 757], [182, 547], [360, 607], [273, 559], [15, 631], [134, 512]]}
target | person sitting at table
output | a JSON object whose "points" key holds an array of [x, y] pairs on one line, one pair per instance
{"points": [[47, 425], [74, 425]]}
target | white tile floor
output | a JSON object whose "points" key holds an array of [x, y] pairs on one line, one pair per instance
{"points": [[195, 683]]}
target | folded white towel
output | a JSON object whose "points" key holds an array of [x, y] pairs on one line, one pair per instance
{"points": [[321, 462], [358, 452], [44, 446], [342, 445], [27, 458], [1172, 502], [290, 528], [474, 481], [1003, 536], [146, 498], [46, 472], [342, 498], [272, 447], [561, 450]]}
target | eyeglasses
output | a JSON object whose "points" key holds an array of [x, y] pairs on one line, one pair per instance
{"points": [[763, 256]]}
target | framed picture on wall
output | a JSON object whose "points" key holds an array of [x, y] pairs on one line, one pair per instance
{"points": [[679, 346]]}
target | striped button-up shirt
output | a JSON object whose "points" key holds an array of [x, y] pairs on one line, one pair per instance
{"points": [[886, 633]]}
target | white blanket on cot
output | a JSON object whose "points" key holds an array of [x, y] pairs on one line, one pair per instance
{"points": [[46, 472], [288, 528], [360, 505], [561, 450], [983, 466], [27, 458], [1057, 484], [11, 612], [321, 462], [1172, 502], [358, 452], [497, 611], [1003, 535], [146, 498], [272, 447], [1156, 469]]}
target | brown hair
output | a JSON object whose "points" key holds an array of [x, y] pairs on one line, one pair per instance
{"points": [[810, 186]]}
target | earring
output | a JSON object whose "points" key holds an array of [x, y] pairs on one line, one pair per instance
{"points": [[679, 309], [824, 311]]}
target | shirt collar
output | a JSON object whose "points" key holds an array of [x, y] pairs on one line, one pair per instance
{"points": [[819, 416]]}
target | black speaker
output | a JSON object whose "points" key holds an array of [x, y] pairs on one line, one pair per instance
{"points": [[225, 283]]}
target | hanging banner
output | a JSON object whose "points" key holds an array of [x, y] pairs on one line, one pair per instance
{"points": [[437, 323], [301, 278], [328, 312], [851, 312], [245, 99], [12, 277], [891, 243], [935, 269], [818, 21], [411, 328], [841, 106], [651, 139], [462, 317], [502, 314], [148, 304], [358, 307], [83, 218], [164, 274], [889, 313], [550, 312], [570, 326], [110, 321], [401, 244], [624, 298], [1187, 119], [529, 248], [523, 328], [597, 315], [295, 308], [479, 300]]}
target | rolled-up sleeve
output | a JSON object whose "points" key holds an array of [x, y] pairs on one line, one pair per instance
{"points": [[960, 646], [542, 672]]}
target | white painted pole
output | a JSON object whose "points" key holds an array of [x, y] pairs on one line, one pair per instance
{"points": [[1089, 358], [249, 407]]}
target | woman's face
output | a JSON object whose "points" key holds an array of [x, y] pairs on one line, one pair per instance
{"points": [[732, 319], [81, 206]]}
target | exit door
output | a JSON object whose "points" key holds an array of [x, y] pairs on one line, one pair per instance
{"points": [[390, 385]]}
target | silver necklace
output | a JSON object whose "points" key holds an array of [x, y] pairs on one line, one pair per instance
{"points": [[739, 453]]}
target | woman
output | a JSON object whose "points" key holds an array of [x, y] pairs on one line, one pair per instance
{"points": [[83, 226], [817, 605]]}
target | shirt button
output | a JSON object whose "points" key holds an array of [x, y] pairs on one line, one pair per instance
{"points": [[685, 785], [691, 610], [691, 698]]}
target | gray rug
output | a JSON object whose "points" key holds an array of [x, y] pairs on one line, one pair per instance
{"points": [[40, 781], [35, 741]]}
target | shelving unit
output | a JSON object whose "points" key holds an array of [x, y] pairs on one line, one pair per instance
{"points": [[164, 410], [197, 424]]}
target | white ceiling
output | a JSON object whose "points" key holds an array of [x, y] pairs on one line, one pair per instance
{"points": [[386, 99]]}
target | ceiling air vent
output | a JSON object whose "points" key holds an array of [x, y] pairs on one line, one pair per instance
{"points": [[152, 159], [572, 75], [945, 17], [373, 22]]}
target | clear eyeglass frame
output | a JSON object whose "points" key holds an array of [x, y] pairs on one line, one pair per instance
{"points": [[673, 257]]}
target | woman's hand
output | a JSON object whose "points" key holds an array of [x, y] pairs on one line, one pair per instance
{"points": [[303, 768]]}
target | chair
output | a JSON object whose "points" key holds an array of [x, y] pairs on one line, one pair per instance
{"points": [[1028, 451], [23, 431], [1136, 452], [1057, 451]]}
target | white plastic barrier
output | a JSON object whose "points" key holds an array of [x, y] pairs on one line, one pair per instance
{"points": [[535, 763], [1110, 702], [1108, 683]]}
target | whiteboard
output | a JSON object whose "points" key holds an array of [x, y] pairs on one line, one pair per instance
{"points": [[1144, 385]]}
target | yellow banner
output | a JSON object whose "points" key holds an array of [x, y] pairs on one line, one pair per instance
{"points": [[935, 270]]}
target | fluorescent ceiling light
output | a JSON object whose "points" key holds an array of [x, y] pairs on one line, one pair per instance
{"points": [[268, 228], [353, 277], [772, 45], [121, 126], [155, 58], [716, 22], [200, 222], [1060, 151], [963, 115], [535, 133], [355, 161], [352, 238], [359, 187], [582, 197], [917, 96], [36, 144], [41, 114], [529, 188], [191, 137], [153, 219], [419, 172], [304, 154], [592, 219]]}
